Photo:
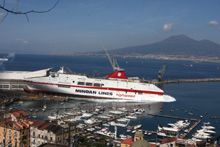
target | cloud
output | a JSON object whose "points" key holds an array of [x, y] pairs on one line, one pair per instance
{"points": [[22, 40], [168, 27], [213, 23]]}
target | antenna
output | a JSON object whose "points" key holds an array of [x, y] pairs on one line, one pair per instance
{"points": [[113, 61]]}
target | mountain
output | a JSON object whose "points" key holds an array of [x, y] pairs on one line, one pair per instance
{"points": [[174, 45]]}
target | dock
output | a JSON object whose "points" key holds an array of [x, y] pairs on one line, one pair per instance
{"points": [[174, 117], [181, 118], [190, 129]]}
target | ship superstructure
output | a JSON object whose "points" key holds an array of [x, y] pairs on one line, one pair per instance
{"points": [[114, 86]]}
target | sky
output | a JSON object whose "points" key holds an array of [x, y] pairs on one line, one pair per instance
{"points": [[86, 25]]}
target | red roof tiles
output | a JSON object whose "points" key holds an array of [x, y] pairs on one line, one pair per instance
{"points": [[20, 113], [37, 123], [128, 141], [167, 140]]}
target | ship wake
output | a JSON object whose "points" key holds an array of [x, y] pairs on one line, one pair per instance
{"points": [[168, 98]]}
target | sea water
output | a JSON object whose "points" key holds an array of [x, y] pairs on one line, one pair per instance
{"points": [[201, 100]]}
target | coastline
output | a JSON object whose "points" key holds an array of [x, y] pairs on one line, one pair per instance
{"points": [[196, 59], [152, 56]]}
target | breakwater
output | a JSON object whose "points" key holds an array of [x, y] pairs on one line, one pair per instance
{"points": [[182, 81]]}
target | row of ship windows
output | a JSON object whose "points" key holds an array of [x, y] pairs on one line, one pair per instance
{"points": [[90, 84], [83, 84]]}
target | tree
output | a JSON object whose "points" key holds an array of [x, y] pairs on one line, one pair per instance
{"points": [[8, 11]]}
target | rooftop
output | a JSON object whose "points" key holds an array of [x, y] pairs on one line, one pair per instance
{"points": [[128, 141]]}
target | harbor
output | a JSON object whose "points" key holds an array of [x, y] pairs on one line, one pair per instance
{"points": [[196, 99]]}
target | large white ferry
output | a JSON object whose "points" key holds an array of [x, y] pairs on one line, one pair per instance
{"points": [[114, 86]]}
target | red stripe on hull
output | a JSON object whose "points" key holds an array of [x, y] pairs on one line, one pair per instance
{"points": [[73, 95], [103, 88]]}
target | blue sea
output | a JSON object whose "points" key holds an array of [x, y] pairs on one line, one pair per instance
{"points": [[201, 99]]}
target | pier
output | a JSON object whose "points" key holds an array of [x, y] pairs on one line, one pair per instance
{"points": [[174, 117], [190, 129]]}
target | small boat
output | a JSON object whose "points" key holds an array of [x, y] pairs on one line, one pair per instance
{"points": [[52, 117], [123, 119], [90, 121], [105, 132], [208, 127], [196, 139], [103, 116], [69, 113], [133, 131], [206, 131], [122, 136], [138, 112], [128, 130], [86, 115], [44, 108], [131, 117], [80, 126], [188, 65], [112, 123], [115, 112], [167, 132], [137, 126], [201, 136], [90, 129], [95, 113], [106, 125], [149, 133], [34, 116], [77, 118], [123, 109], [97, 127], [3, 59]]}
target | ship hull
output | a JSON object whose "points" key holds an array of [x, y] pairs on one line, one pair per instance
{"points": [[94, 94], [114, 87]]}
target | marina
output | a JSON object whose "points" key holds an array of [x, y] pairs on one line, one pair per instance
{"points": [[98, 118]]}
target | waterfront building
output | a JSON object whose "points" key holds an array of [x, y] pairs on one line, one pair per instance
{"points": [[44, 132], [136, 142], [168, 142], [139, 140], [127, 142], [14, 129]]}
